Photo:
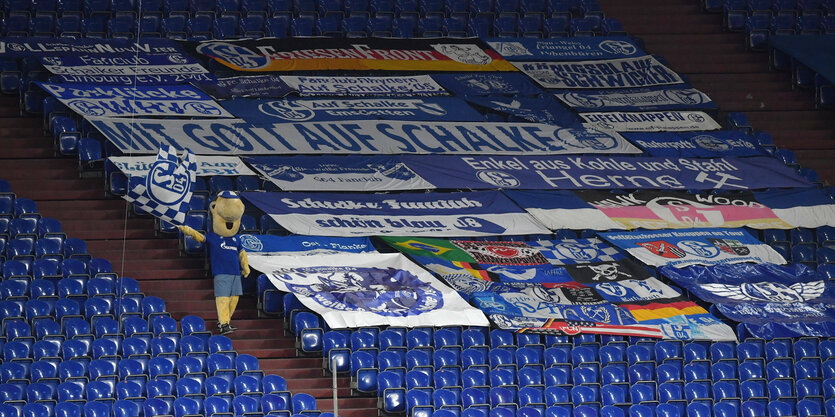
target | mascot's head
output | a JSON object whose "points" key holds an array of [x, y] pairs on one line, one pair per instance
{"points": [[226, 212]]}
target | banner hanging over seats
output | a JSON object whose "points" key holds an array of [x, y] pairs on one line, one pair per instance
{"points": [[362, 54], [487, 84], [338, 173], [128, 70], [613, 73], [251, 86], [258, 112], [686, 247], [777, 209], [609, 173], [715, 144], [566, 49], [481, 213], [417, 85], [661, 121], [771, 300], [521, 287], [534, 109], [205, 166], [236, 136], [117, 101], [368, 289], [303, 245], [637, 99], [34, 47]]}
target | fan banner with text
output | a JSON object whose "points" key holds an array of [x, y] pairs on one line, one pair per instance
{"points": [[477, 213], [392, 54], [562, 287], [684, 247], [601, 210], [368, 289], [304, 245], [771, 300]]}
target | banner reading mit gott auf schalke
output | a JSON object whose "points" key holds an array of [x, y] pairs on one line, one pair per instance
{"points": [[304, 54]]}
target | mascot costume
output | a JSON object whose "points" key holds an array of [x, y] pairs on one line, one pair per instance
{"points": [[227, 258]]}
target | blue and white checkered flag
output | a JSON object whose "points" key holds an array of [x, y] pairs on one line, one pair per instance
{"points": [[165, 191]]}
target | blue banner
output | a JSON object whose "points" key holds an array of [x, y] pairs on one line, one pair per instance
{"points": [[566, 49], [772, 300], [304, 245], [30, 47], [485, 84], [591, 172], [435, 214], [715, 144], [637, 99], [126, 69], [338, 109], [253, 86], [115, 101], [338, 173], [538, 110], [684, 247], [814, 51]]}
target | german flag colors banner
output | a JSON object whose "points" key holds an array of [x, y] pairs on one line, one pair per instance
{"points": [[305, 54]]}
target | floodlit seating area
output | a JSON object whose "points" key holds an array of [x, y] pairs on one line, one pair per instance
{"points": [[78, 339]]}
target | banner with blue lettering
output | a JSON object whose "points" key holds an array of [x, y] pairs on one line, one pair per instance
{"points": [[338, 173], [603, 210], [771, 300], [684, 247], [118, 101], [609, 173], [34, 47], [538, 110], [715, 144], [368, 289], [235, 136], [124, 69], [486, 84], [303, 245], [480, 213], [339, 109], [643, 71], [416, 85], [668, 121], [205, 166], [566, 49], [253, 86], [637, 99]]}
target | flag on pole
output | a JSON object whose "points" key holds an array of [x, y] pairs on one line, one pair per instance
{"points": [[165, 191]]}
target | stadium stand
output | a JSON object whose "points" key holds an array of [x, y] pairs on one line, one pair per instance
{"points": [[80, 336]]}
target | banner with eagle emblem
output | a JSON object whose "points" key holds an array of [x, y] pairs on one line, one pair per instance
{"points": [[771, 300]]}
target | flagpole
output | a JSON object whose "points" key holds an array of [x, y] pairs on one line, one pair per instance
{"points": [[335, 396]]}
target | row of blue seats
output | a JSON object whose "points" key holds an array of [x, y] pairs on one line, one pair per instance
{"points": [[734, 12], [296, 8], [759, 28]]}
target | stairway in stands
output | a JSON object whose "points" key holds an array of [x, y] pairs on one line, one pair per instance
{"points": [[27, 162], [717, 63]]}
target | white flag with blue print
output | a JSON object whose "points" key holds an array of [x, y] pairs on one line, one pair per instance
{"points": [[165, 191]]}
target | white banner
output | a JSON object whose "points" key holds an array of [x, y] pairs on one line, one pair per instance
{"points": [[138, 166], [235, 136], [364, 86], [658, 121], [120, 101], [368, 289], [642, 71]]}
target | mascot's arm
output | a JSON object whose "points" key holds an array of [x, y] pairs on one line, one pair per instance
{"points": [[244, 263], [194, 234]]}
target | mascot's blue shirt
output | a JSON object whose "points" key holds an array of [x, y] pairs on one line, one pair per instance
{"points": [[223, 254]]}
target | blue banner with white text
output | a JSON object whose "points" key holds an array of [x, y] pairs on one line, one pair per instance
{"points": [[538, 110], [338, 109], [479, 213], [489, 83], [713, 144], [772, 300], [34, 47], [610, 172], [566, 49], [253, 86]]}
